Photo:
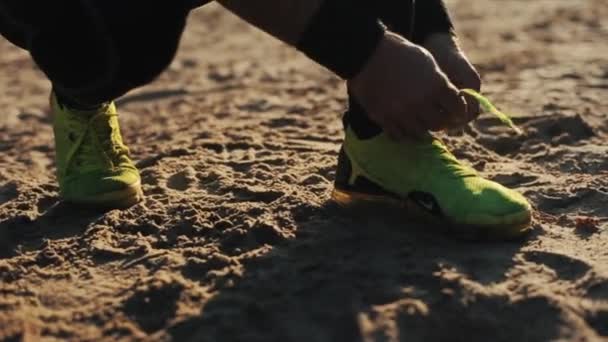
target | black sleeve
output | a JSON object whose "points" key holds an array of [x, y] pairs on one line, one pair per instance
{"points": [[431, 16], [413, 19], [342, 36]]}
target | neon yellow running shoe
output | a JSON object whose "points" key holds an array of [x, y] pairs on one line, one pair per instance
{"points": [[427, 183], [93, 164]]}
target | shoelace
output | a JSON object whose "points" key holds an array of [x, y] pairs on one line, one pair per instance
{"points": [[487, 105], [452, 162], [96, 146]]}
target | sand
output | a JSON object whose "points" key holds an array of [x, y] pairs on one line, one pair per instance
{"points": [[237, 241]]}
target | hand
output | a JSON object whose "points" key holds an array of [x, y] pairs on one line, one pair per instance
{"points": [[404, 91], [454, 63]]}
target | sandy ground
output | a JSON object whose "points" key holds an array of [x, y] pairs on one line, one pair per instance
{"points": [[236, 240]]}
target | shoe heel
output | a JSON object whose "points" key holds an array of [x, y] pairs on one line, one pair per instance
{"points": [[363, 195]]}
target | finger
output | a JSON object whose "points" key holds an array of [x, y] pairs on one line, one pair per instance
{"points": [[433, 118], [412, 128], [460, 122], [475, 81], [408, 123], [470, 80], [473, 109], [392, 130], [405, 132], [404, 127], [452, 103]]}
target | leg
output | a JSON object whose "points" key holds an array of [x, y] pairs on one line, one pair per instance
{"points": [[398, 16], [412, 19], [94, 51], [421, 178]]}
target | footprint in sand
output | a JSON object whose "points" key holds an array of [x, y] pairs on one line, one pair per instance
{"points": [[599, 291], [256, 194], [562, 202], [598, 320], [8, 192], [565, 130], [182, 181], [556, 130], [154, 301], [565, 267]]}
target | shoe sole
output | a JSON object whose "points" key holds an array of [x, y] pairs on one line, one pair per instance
{"points": [[121, 199], [367, 204]]}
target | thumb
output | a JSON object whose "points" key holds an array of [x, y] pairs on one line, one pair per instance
{"points": [[452, 103]]}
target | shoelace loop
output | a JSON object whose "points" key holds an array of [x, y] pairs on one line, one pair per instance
{"points": [[111, 150]]}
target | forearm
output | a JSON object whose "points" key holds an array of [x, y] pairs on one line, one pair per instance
{"points": [[338, 34]]}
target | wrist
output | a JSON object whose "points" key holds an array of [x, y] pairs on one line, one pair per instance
{"points": [[441, 41]]}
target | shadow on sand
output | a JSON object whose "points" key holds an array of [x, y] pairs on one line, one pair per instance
{"points": [[59, 221], [352, 280]]}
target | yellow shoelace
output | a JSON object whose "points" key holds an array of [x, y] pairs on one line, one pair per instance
{"points": [[117, 147], [487, 106]]}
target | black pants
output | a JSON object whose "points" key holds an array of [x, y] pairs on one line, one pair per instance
{"points": [[94, 51]]}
